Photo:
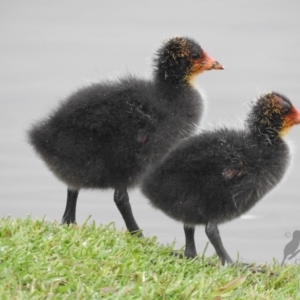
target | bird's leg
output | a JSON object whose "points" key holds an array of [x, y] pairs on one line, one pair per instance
{"points": [[70, 211], [212, 232], [213, 235], [122, 201], [190, 248]]}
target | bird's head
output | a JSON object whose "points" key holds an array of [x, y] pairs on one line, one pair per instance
{"points": [[180, 60], [273, 114]]}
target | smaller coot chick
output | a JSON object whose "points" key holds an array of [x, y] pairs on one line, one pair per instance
{"points": [[218, 175], [106, 134]]}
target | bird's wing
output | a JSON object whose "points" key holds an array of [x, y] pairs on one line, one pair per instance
{"points": [[236, 167], [234, 172]]}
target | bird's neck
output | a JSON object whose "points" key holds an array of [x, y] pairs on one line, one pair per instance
{"points": [[172, 89], [266, 135], [174, 80]]}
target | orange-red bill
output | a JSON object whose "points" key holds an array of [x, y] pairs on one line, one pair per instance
{"points": [[294, 117], [211, 64]]}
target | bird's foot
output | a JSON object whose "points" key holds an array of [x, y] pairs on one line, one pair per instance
{"points": [[67, 221], [137, 233], [177, 254], [254, 268]]}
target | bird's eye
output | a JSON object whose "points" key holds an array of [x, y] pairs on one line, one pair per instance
{"points": [[195, 55], [286, 109]]}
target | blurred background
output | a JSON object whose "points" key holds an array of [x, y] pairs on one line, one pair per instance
{"points": [[49, 49]]}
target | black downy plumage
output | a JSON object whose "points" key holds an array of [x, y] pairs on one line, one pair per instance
{"points": [[104, 135], [218, 175]]}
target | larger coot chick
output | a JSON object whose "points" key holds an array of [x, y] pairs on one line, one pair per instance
{"points": [[218, 175], [106, 134]]}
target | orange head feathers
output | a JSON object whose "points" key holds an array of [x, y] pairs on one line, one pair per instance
{"points": [[180, 60], [273, 114]]}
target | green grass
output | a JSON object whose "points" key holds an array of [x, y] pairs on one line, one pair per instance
{"points": [[42, 260]]}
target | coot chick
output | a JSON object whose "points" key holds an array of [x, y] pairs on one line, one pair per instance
{"points": [[218, 175], [104, 135]]}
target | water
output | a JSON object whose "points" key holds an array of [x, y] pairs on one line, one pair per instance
{"points": [[51, 48]]}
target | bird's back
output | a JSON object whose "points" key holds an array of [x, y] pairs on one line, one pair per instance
{"points": [[106, 134], [96, 132], [216, 175]]}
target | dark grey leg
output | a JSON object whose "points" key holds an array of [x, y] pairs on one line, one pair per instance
{"points": [[190, 247], [122, 201], [213, 235], [70, 212]]}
